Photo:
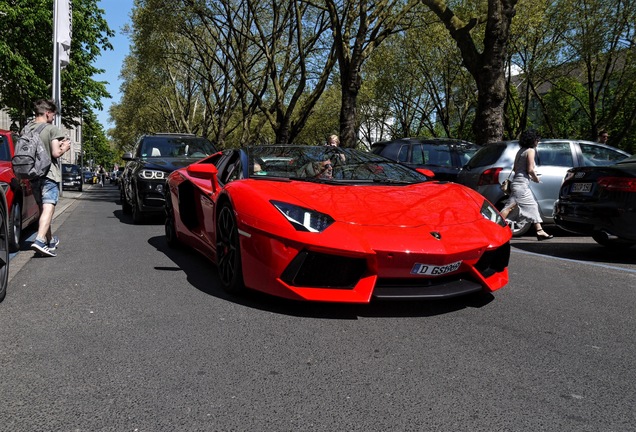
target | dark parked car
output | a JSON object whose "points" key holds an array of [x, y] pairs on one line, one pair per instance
{"points": [[88, 177], [71, 177], [155, 156], [600, 202], [443, 156], [492, 164]]}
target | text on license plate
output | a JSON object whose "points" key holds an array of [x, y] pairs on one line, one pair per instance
{"points": [[581, 187], [433, 270]]}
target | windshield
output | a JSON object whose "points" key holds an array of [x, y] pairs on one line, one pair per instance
{"points": [[329, 164], [176, 147], [73, 169]]}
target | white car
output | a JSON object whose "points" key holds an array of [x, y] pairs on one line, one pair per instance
{"points": [[492, 164]]}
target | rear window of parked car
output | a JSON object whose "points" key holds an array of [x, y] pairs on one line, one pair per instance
{"points": [[487, 155]]}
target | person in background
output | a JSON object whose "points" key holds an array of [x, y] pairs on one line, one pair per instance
{"points": [[47, 189], [603, 136], [521, 194], [102, 176], [333, 141]]}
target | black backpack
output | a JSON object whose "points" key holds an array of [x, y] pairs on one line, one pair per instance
{"points": [[31, 159]]}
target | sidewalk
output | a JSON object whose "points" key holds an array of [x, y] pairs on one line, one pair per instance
{"points": [[63, 203], [19, 259]]}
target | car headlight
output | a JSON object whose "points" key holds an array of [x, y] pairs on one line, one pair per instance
{"points": [[303, 219], [489, 212], [152, 175]]}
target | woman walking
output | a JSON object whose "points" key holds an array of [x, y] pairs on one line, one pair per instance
{"points": [[521, 195]]}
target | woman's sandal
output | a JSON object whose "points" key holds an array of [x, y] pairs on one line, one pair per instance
{"points": [[544, 236]]}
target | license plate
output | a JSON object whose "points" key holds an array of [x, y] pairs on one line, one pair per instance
{"points": [[67, 184], [581, 187], [434, 270]]}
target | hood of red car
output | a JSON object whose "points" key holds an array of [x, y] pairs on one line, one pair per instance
{"points": [[410, 205]]}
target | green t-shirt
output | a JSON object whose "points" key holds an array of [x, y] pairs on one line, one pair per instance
{"points": [[48, 134]]}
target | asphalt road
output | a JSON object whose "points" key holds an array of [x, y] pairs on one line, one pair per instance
{"points": [[121, 333]]}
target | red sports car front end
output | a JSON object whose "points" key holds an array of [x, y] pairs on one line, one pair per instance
{"points": [[372, 253]]}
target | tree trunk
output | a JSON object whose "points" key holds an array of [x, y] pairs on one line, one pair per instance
{"points": [[488, 125], [349, 112], [487, 66]]}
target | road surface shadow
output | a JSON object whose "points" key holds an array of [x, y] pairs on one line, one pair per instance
{"points": [[203, 275]]}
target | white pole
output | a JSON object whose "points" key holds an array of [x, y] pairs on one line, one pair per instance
{"points": [[57, 84]]}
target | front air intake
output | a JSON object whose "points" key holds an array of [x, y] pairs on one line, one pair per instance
{"points": [[494, 261], [313, 269]]}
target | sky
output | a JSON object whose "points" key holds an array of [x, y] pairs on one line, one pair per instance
{"points": [[117, 14]]}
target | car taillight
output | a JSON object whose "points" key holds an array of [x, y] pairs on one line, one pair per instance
{"points": [[489, 177], [622, 184]]}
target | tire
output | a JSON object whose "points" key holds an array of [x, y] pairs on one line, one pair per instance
{"points": [[125, 206], [4, 252], [228, 251], [15, 227], [602, 239], [137, 215], [169, 225]]}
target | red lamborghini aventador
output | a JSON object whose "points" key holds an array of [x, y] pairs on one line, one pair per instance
{"points": [[335, 224]]}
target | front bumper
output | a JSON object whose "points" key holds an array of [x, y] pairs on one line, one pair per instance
{"points": [[588, 218], [378, 264], [150, 195], [72, 184]]}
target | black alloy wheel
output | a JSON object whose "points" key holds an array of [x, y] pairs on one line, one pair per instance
{"points": [[15, 226], [228, 251], [4, 252]]}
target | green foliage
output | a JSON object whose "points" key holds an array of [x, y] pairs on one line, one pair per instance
{"points": [[26, 57], [562, 106], [96, 147]]}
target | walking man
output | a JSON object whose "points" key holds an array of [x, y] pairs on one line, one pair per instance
{"points": [[47, 189]]}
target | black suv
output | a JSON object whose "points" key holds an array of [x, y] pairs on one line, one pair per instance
{"points": [[443, 156], [155, 156], [71, 177]]}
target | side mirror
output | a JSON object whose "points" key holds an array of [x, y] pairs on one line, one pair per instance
{"points": [[427, 172], [128, 156], [205, 171]]}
